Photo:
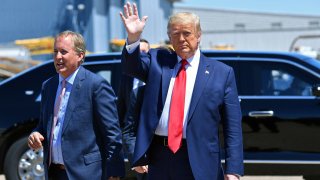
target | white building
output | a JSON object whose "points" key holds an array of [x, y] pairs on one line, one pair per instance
{"points": [[244, 30]]}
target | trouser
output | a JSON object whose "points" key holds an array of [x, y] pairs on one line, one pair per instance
{"points": [[165, 165], [57, 172]]}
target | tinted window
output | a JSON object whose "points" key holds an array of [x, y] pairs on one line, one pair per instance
{"points": [[111, 72], [274, 79], [234, 65]]}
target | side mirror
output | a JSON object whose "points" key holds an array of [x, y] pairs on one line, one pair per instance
{"points": [[316, 90]]}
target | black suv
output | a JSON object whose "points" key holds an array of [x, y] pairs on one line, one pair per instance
{"points": [[278, 92]]}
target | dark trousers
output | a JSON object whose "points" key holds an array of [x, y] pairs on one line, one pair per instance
{"points": [[164, 165], [56, 173], [128, 145]]}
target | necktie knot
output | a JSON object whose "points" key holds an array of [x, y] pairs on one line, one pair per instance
{"points": [[63, 88], [63, 83], [183, 63]]}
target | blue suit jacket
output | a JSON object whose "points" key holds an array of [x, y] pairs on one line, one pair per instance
{"points": [[91, 136], [129, 106], [214, 101]]}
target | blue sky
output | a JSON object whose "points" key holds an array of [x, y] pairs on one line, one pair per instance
{"points": [[302, 7]]}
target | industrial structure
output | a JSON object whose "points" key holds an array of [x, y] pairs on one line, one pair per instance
{"points": [[100, 23], [97, 20], [255, 31]]}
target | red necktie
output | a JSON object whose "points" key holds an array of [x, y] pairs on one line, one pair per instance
{"points": [[176, 114], [56, 114]]}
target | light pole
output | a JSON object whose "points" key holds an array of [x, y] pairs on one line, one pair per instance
{"points": [[77, 25]]}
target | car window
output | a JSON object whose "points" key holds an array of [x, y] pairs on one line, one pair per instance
{"points": [[234, 65], [106, 74], [109, 71], [274, 79], [285, 83]]}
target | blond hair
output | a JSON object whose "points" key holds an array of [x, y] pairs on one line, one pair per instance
{"points": [[184, 18], [79, 45]]}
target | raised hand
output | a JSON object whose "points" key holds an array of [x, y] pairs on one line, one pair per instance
{"points": [[133, 24]]}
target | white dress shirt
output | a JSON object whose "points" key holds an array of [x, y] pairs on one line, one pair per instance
{"points": [[137, 83], [191, 71]]}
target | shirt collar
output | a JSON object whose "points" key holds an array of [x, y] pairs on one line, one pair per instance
{"points": [[70, 79], [192, 60]]}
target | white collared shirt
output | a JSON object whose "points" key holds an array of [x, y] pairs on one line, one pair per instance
{"points": [[191, 71]]}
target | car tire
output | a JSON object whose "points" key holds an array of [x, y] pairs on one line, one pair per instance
{"points": [[23, 163]]}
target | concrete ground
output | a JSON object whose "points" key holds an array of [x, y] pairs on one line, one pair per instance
{"points": [[250, 178]]}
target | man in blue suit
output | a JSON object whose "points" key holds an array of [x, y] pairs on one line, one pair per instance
{"points": [[208, 98], [78, 128]]}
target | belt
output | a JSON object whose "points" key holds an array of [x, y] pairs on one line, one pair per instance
{"points": [[57, 166], [163, 140]]}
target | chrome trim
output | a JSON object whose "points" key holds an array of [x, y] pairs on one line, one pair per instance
{"points": [[102, 62], [31, 165], [28, 92], [258, 114]]}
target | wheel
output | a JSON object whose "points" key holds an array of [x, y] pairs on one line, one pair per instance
{"points": [[23, 163]]}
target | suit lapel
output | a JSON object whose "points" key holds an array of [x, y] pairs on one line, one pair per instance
{"points": [[74, 95], [166, 76], [51, 94], [203, 74]]}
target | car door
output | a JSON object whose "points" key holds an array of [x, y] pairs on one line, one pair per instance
{"points": [[281, 117]]}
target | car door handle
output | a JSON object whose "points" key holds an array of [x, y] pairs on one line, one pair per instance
{"points": [[261, 114]]}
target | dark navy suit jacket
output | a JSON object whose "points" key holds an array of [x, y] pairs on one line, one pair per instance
{"points": [[129, 106], [91, 136], [214, 101]]}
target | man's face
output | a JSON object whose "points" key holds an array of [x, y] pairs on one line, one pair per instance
{"points": [[184, 39], [66, 60], [144, 47]]}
